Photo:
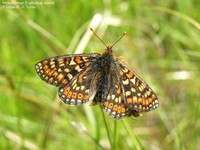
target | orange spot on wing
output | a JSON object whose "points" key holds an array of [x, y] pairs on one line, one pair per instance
{"points": [[110, 105], [51, 72], [123, 108], [119, 90], [150, 100], [147, 101], [115, 108], [137, 82], [153, 97], [69, 94], [64, 81], [45, 67], [74, 95], [80, 96], [143, 102], [129, 100], [129, 75], [45, 62], [55, 74], [78, 60], [47, 70], [105, 104], [68, 61], [86, 64], [140, 100], [51, 80], [66, 90], [119, 110], [85, 97], [80, 78], [60, 77]]}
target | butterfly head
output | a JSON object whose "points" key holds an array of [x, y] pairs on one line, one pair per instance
{"points": [[109, 48]]}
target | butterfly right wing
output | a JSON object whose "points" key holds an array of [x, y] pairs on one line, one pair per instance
{"points": [[61, 70], [139, 97]]}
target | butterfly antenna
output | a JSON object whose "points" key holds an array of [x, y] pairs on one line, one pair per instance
{"points": [[103, 41], [98, 37], [119, 39]]}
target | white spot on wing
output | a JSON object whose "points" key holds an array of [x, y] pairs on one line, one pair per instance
{"points": [[61, 90], [79, 101], [72, 102]]}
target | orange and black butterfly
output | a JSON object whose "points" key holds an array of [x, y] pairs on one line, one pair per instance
{"points": [[100, 78]]}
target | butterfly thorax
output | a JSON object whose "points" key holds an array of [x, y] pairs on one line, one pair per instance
{"points": [[106, 61]]}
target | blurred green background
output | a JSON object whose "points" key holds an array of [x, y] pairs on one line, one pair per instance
{"points": [[162, 45]]}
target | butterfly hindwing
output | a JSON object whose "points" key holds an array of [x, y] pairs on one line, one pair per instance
{"points": [[138, 95], [81, 89], [61, 70], [114, 103]]}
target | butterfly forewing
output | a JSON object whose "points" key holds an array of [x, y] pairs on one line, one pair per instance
{"points": [[138, 95], [60, 70]]}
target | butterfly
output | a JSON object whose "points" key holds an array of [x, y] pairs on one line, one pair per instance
{"points": [[101, 78]]}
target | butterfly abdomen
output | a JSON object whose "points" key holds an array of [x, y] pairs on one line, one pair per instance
{"points": [[102, 90]]}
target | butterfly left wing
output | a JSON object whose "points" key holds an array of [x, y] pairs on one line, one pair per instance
{"points": [[138, 95], [60, 70]]}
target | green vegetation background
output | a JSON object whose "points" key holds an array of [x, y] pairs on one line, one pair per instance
{"points": [[162, 45]]}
